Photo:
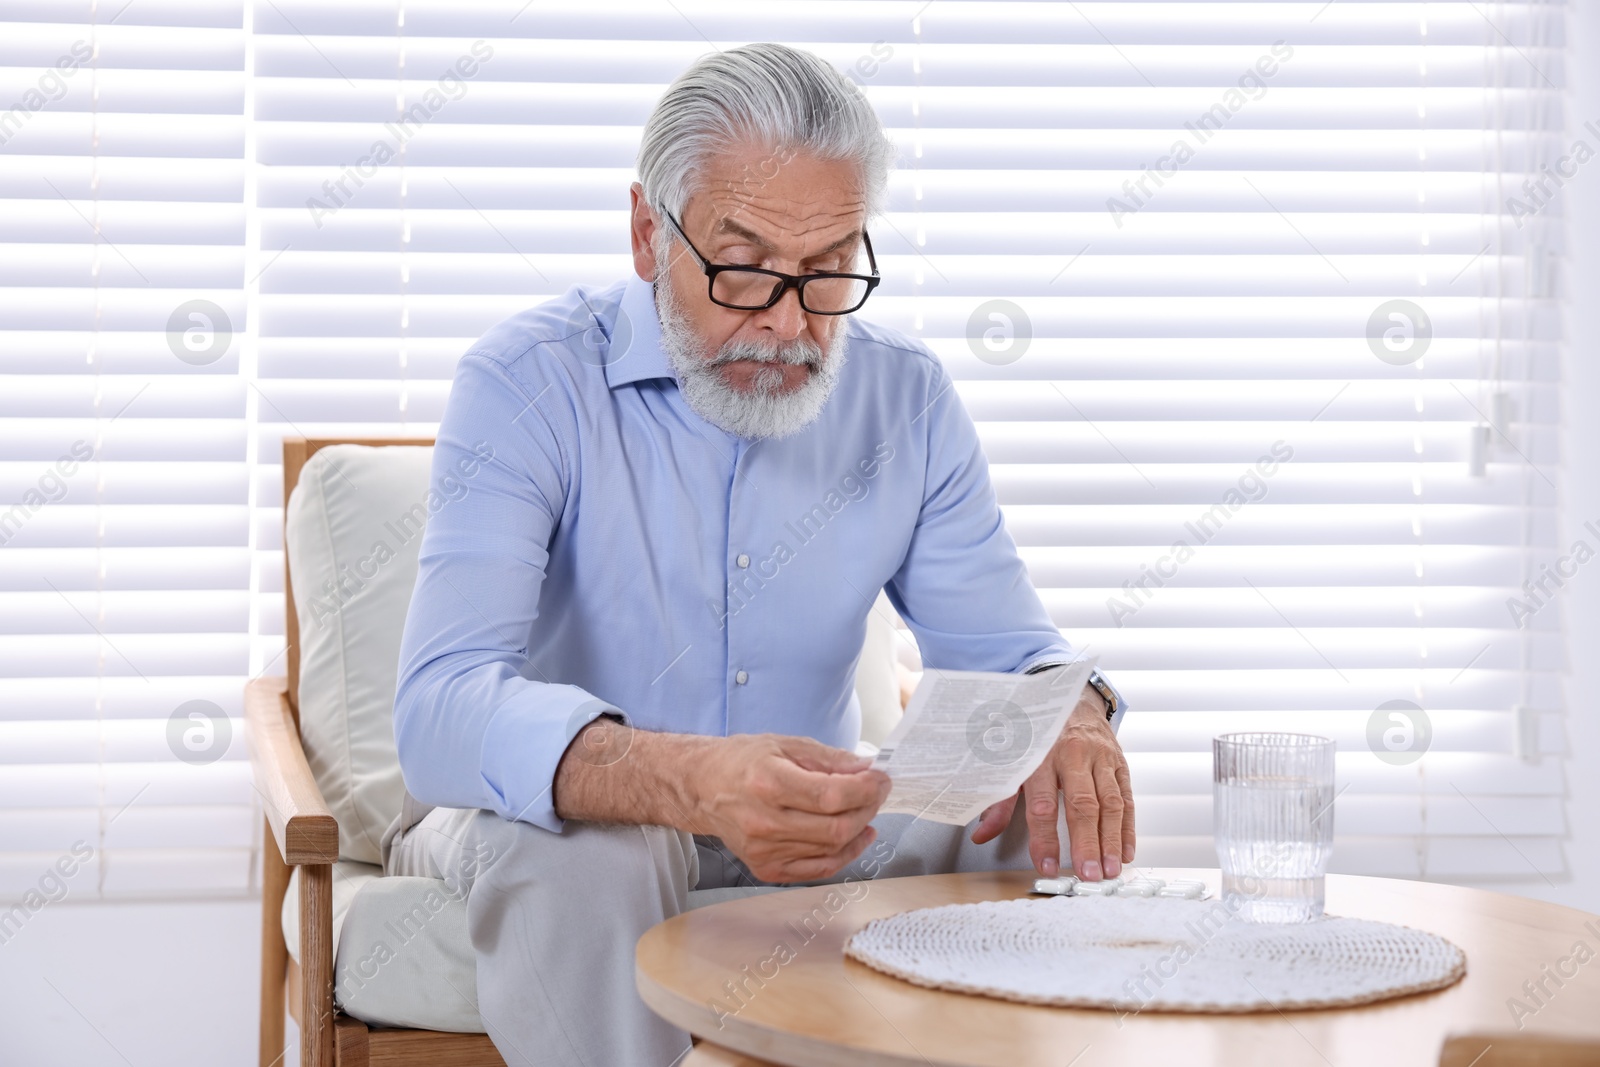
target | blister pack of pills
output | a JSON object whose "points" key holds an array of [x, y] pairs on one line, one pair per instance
{"points": [[1071, 886]]}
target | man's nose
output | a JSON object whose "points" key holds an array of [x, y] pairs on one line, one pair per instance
{"points": [[786, 319]]}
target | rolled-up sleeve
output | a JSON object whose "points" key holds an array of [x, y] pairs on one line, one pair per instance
{"points": [[475, 724], [963, 589]]}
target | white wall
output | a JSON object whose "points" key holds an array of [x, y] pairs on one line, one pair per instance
{"points": [[113, 984], [1582, 467], [1579, 886]]}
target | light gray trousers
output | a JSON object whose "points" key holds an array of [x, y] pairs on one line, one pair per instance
{"points": [[554, 917]]}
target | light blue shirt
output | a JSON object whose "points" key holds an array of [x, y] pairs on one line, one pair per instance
{"points": [[620, 555]]}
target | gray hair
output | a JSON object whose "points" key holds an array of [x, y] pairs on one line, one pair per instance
{"points": [[768, 94]]}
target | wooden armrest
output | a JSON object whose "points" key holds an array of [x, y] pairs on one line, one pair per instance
{"points": [[302, 825]]}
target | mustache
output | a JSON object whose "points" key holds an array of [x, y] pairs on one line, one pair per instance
{"points": [[799, 352]]}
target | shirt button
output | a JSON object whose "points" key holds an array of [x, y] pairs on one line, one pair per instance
{"points": [[743, 560], [742, 677]]}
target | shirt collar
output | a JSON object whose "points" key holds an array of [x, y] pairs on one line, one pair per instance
{"points": [[636, 329]]}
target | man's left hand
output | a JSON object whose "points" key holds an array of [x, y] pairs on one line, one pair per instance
{"points": [[1087, 766]]}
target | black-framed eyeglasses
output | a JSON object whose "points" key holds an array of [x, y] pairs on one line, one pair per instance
{"points": [[754, 289]]}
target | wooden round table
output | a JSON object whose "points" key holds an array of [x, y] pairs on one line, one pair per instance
{"points": [[764, 979]]}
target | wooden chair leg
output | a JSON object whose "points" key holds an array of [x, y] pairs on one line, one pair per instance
{"points": [[274, 953], [316, 966], [353, 1044], [1518, 1050]]}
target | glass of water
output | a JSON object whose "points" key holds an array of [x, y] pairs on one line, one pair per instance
{"points": [[1272, 817]]}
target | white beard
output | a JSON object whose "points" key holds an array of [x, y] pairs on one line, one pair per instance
{"points": [[762, 410]]}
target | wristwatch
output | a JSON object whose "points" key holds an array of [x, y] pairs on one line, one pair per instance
{"points": [[1108, 694], [1098, 682]]}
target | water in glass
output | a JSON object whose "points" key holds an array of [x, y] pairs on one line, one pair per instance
{"points": [[1273, 822]]}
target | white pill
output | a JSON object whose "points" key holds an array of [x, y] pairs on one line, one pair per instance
{"points": [[1055, 886], [1182, 892]]}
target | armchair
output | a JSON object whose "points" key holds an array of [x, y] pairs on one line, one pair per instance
{"points": [[302, 834], [324, 764]]}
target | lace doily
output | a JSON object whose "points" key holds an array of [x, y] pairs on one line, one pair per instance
{"points": [[1134, 955]]}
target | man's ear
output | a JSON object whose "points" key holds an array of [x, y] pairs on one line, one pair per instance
{"points": [[642, 230]]}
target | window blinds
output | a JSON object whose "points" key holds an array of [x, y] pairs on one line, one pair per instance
{"points": [[124, 556], [1249, 301]]}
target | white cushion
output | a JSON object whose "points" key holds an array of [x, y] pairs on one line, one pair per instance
{"points": [[352, 531], [404, 956], [348, 878], [877, 681]]}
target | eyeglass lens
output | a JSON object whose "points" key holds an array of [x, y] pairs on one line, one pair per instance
{"points": [[749, 289]]}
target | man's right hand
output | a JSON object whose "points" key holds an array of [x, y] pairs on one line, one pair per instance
{"points": [[793, 809]]}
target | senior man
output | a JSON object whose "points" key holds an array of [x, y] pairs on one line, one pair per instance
{"points": [[627, 667]]}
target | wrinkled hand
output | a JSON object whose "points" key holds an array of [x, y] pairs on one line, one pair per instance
{"points": [[793, 809], [1087, 766]]}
